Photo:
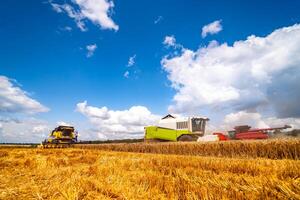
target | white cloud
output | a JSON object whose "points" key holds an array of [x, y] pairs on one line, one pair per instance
{"points": [[72, 13], [67, 28], [118, 123], [256, 72], [25, 130], [62, 123], [14, 100], [170, 41], [57, 8], [256, 120], [212, 28], [158, 19], [131, 61], [91, 50], [15, 106], [279, 122], [97, 11], [41, 128], [126, 74], [244, 118], [92, 112]]}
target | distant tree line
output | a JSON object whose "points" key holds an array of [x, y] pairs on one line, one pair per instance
{"points": [[17, 143]]}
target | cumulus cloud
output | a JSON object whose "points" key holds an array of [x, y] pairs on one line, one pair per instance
{"points": [[62, 123], [244, 118], [256, 72], [23, 130], [97, 11], [91, 50], [212, 28], [256, 120], [9, 119], [16, 109], [40, 128], [15, 100], [170, 41], [131, 60], [118, 123]]}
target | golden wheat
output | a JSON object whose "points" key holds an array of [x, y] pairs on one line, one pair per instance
{"points": [[273, 148], [96, 174]]}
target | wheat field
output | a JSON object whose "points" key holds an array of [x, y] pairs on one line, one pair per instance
{"points": [[96, 174], [272, 148]]}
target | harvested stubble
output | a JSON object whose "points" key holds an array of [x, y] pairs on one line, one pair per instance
{"points": [[96, 174], [273, 148], [5, 146]]}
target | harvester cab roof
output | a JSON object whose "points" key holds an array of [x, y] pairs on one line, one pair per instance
{"points": [[241, 129], [60, 128]]}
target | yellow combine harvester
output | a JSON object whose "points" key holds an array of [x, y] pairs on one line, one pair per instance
{"points": [[61, 137]]}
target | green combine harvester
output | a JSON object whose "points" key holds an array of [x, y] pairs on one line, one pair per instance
{"points": [[171, 128]]}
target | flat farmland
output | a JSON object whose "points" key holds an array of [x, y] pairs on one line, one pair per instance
{"points": [[103, 173], [272, 148]]}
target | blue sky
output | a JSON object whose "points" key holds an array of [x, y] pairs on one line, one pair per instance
{"points": [[44, 53]]}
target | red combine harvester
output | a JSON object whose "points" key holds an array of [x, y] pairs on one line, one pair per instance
{"points": [[246, 133]]}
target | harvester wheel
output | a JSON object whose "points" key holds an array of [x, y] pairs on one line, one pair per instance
{"points": [[186, 138]]}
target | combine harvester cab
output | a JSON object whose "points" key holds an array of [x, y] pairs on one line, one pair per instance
{"points": [[171, 128], [61, 137]]}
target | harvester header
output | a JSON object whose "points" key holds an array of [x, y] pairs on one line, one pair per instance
{"points": [[245, 132]]}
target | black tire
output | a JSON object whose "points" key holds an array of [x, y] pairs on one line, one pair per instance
{"points": [[186, 138]]}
